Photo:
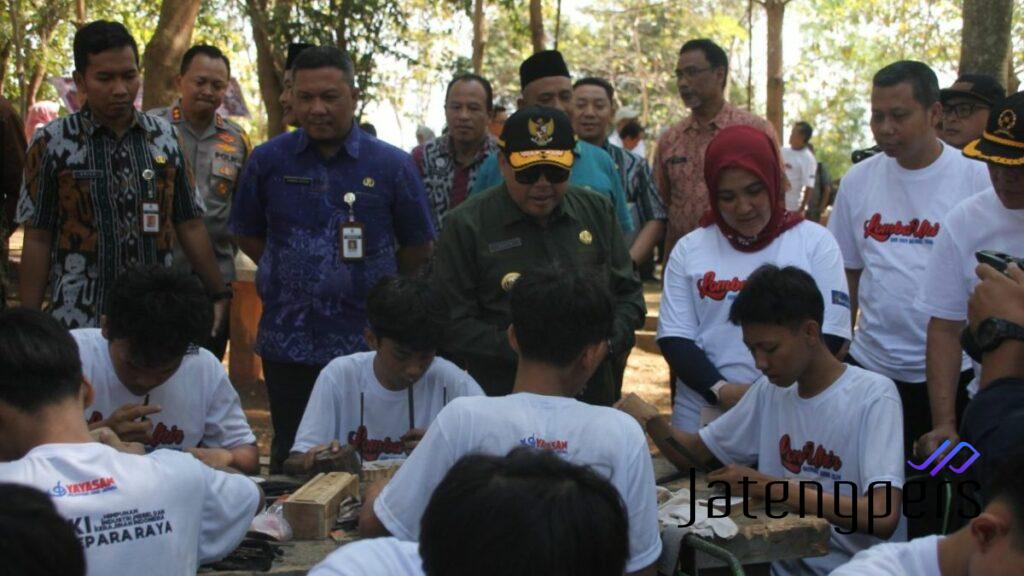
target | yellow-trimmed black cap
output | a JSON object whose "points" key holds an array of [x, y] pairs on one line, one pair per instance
{"points": [[538, 135], [1002, 142]]}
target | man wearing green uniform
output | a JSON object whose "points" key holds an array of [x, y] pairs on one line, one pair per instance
{"points": [[534, 218]]}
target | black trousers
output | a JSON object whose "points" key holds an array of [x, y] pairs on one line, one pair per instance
{"points": [[924, 517], [288, 388]]}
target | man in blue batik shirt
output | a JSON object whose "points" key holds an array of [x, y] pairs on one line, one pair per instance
{"points": [[320, 210], [544, 81]]}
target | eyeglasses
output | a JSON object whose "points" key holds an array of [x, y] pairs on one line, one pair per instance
{"points": [[691, 72], [552, 174], [962, 110]]}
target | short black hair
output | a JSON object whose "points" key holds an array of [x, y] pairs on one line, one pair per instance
{"points": [[1007, 487], [469, 77], [530, 512], [599, 82], [779, 296], [316, 57], [407, 310], [161, 312], [39, 362], [557, 313], [500, 108], [632, 129], [100, 36], [34, 539], [919, 75], [716, 57], [211, 52], [805, 129], [368, 128]]}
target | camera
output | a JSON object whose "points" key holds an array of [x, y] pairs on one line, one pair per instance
{"points": [[997, 260]]}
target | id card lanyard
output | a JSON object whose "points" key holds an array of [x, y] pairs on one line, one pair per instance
{"points": [[150, 202], [350, 236]]}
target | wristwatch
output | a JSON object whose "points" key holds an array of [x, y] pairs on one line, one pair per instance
{"points": [[992, 331], [713, 395]]}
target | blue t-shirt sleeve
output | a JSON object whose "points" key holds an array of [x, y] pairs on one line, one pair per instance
{"points": [[414, 225], [488, 175], [248, 206]]}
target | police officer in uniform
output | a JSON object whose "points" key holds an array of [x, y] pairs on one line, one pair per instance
{"points": [[215, 148], [534, 218]]}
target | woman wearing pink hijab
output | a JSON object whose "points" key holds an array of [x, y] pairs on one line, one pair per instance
{"points": [[40, 114], [747, 226]]}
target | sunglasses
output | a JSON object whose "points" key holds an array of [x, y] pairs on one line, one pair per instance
{"points": [[552, 174]]}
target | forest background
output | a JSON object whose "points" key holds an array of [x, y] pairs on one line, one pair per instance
{"points": [[790, 59]]}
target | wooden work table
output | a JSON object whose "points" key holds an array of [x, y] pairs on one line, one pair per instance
{"points": [[760, 540]]}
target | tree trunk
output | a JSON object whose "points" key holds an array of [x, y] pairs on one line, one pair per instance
{"points": [[162, 58], [537, 25], [985, 39], [266, 71], [5, 57], [775, 10], [479, 36], [46, 30], [80, 13], [18, 45]]}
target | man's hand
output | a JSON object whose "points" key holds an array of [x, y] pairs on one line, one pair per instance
{"points": [[218, 458], [221, 310], [737, 476], [730, 394], [638, 408], [107, 436], [309, 459], [927, 444], [129, 422], [997, 296], [412, 438]]}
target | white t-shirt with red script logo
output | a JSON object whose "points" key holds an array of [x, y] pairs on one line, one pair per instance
{"points": [[703, 277], [607, 440], [199, 405], [851, 432], [888, 221], [919, 557], [161, 514], [373, 557], [375, 428]]}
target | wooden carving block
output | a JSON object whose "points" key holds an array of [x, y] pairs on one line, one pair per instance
{"points": [[312, 510]]}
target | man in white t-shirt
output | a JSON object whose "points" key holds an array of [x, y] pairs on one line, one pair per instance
{"points": [[992, 220], [161, 514], [561, 321], [992, 544], [801, 166], [585, 533], [152, 383], [889, 214], [381, 402], [809, 418]]}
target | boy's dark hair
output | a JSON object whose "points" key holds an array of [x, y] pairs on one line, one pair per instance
{"points": [[600, 83], [34, 539], [39, 362], [469, 77], [919, 75], [408, 311], [530, 512], [632, 129], [780, 296], [211, 52], [162, 313], [716, 57], [316, 57], [557, 313], [100, 36], [805, 129], [1008, 486]]}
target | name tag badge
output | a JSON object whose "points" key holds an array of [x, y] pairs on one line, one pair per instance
{"points": [[351, 241], [150, 218], [298, 180]]}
